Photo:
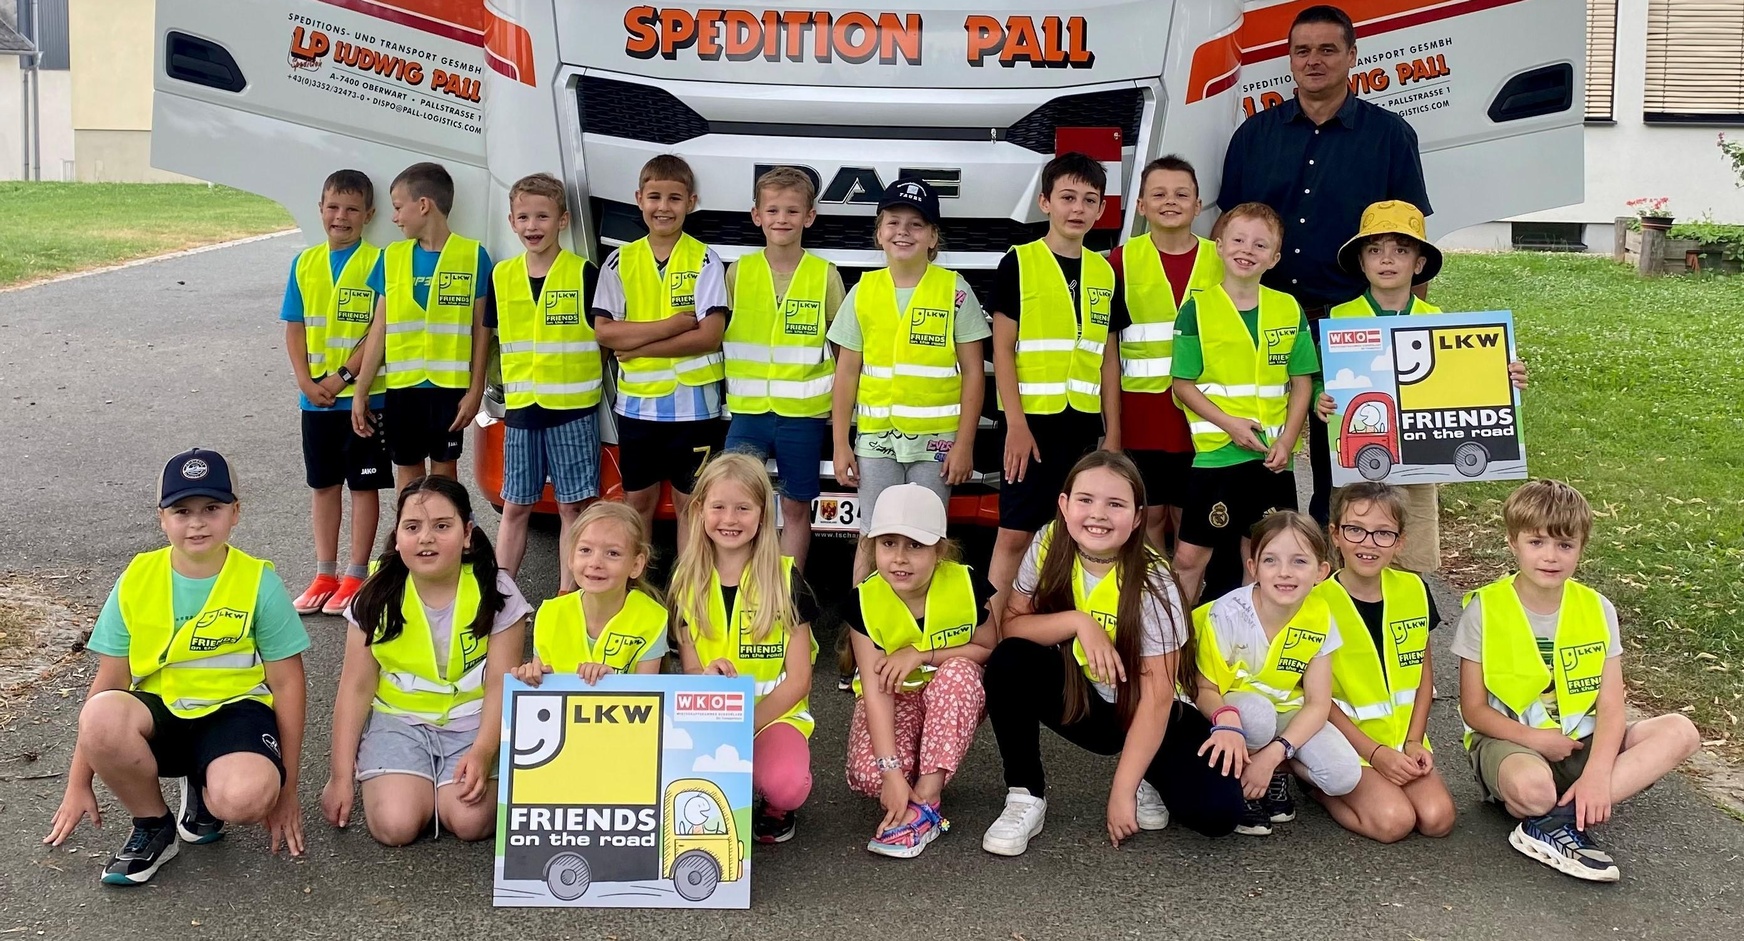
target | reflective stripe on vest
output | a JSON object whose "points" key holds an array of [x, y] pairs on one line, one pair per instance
{"points": [[208, 660], [432, 342], [336, 314], [1244, 379], [411, 683], [765, 660], [1378, 688], [1514, 671], [651, 296], [1059, 360], [549, 355], [561, 640], [1279, 676], [777, 359], [950, 618], [915, 348], [1147, 347]]}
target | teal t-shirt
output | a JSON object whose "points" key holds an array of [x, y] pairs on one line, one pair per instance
{"points": [[1189, 362], [278, 629]]}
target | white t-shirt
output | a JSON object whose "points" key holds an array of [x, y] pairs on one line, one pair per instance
{"points": [[1240, 635], [1165, 622]]}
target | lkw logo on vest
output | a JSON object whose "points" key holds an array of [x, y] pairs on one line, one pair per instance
{"points": [[948, 637], [1401, 630], [1097, 299], [926, 326], [218, 628], [681, 285], [560, 309], [1278, 339], [1295, 637], [454, 289], [800, 317], [1571, 658], [356, 305]]}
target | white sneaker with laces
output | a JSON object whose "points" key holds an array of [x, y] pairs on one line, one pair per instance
{"points": [[1022, 818], [1153, 814]]}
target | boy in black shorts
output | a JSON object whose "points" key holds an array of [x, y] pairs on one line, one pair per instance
{"points": [[428, 334], [662, 305], [327, 310], [200, 677], [1243, 367]]}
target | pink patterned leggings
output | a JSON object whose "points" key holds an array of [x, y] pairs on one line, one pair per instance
{"points": [[934, 727]]}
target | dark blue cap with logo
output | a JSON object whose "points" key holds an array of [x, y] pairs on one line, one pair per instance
{"points": [[914, 193], [196, 473]]}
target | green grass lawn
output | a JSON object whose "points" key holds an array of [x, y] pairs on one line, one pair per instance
{"points": [[52, 228], [1636, 398]]}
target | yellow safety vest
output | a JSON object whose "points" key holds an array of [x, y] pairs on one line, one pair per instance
{"points": [[1244, 379], [1101, 602], [411, 683], [561, 640], [1147, 347], [1514, 672], [432, 342], [649, 297], [914, 348], [1361, 307], [1279, 677], [549, 355], [209, 660], [765, 661], [1377, 689], [1059, 358], [336, 316], [951, 617], [777, 359]]}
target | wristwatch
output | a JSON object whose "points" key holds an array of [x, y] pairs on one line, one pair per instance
{"points": [[1289, 749], [346, 375]]}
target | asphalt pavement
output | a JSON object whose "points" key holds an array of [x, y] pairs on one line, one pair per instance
{"points": [[104, 377]]}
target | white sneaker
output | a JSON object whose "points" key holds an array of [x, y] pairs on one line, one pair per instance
{"points": [[1153, 814], [1022, 818]]}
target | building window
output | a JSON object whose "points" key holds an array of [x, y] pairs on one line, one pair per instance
{"points": [[1549, 236], [1601, 57], [1695, 62]]}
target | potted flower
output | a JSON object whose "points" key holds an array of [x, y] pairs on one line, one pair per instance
{"points": [[1652, 211]]}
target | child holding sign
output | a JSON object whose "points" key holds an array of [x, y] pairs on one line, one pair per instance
{"points": [[743, 609], [919, 634], [614, 622]]}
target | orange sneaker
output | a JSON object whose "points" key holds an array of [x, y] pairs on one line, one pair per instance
{"points": [[316, 595], [337, 604]]}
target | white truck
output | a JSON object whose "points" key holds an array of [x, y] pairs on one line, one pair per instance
{"points": [[271, 95]]}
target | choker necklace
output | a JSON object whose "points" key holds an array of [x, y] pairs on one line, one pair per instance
{"points": [[1110, 560]]}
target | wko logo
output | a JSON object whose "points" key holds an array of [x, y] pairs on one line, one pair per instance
{"points": [[709, 707]]}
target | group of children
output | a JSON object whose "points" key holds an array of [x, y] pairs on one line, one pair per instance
{"points": [[1213, 694]]}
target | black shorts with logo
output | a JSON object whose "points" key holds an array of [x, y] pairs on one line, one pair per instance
{"points": [[1165, 475], [1224, 503], [415, 425], [333, 454], [184, 747], [654, 452]]}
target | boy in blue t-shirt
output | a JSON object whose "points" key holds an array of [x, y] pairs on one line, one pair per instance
{"points": [[200, 677], [327, 310]]}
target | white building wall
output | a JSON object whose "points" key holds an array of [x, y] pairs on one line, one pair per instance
{"points": [[56, 99]]}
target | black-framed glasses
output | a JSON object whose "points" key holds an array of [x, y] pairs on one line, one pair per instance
{"points": [[1383, 538]]}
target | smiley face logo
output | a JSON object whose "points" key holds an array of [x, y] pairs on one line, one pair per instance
{"points": [[1413, 355], [538, 729]]}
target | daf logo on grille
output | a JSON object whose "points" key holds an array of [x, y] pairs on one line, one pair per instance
{"points": [[862, 186]]}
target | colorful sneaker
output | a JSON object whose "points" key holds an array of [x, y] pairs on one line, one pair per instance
{"points": [[1255, 820], [1280, 805], [1153, 814], [342, 596], [767, 827], [907, 840], [1554, 841], [316, 595], [1022, 819], [194, 822], [151, 844]]}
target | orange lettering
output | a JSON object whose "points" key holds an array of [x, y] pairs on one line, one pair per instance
{"points": [[986, 38], [855, 37], [898, 37], [644, 38], [708, 36], [677, 31], [1078, 43], [1022, 43], [743, 36]]}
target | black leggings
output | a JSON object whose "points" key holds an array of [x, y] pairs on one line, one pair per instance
{"points": [[1025, 684]]}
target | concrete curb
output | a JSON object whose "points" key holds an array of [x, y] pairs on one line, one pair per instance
{"points": [[74, 275]]}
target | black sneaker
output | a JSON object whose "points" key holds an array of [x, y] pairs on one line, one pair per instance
{"points": [[769, 828], [1280, 805], [194, 822], [1256, 819], [152, 844]]}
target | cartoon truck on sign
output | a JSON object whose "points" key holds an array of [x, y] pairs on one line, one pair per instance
{"points": [[1455, 406], [586, 806]]}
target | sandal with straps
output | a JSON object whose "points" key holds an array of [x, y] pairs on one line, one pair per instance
{"points": [[907, 840]]}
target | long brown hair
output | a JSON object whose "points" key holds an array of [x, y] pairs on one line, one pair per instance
{"points": [[1137, 565]]}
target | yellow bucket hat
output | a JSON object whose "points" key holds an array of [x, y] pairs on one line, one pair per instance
{"points": [[1392, 217]]}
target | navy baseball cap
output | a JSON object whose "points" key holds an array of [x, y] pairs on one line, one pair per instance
{"points": [[915, 194], [196, 473]]}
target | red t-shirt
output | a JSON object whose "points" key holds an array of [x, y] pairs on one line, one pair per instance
{"points": [[1151, 421]]}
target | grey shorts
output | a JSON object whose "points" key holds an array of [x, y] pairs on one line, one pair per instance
{"points": [[877, 473], [392, 745]]}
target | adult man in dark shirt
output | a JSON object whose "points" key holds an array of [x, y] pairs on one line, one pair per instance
{"points": [[1319, 159]]}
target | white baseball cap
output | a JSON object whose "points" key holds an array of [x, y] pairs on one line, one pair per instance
{"points": [[909, 510]]}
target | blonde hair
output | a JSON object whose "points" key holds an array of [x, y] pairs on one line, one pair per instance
{"points": [[785, 178], [938, 234], [540, 184], [634, 527], [1257, 211], [762, 585], [1550, 507]]}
